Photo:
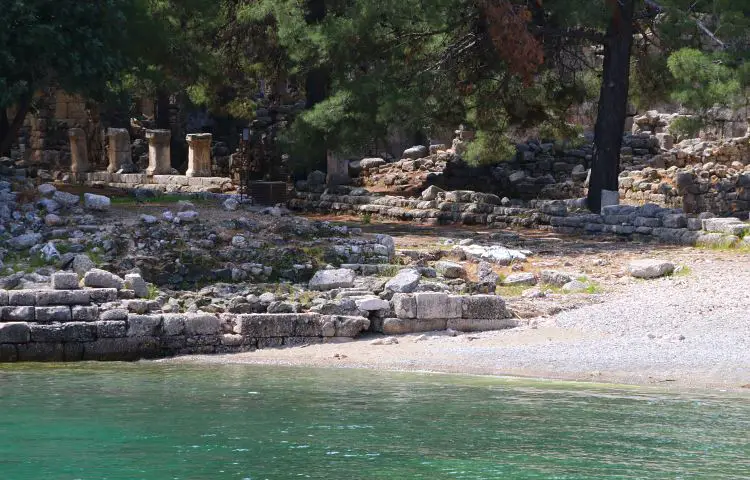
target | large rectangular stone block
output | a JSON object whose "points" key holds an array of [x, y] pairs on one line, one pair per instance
{"points": [[111, 329], [62, 297], [65, 332], [14, 332], [41, 352], [102, 295], [8, 353], [481, 324], [483, 306], [404, 305], [266, 325], [431, 305], [122, 349], [81, 313], [179, 180], [196, 324], [3, 298], [350, 326], [60, 313], [144, 325], [22, 298], [64, 280], [18, 314], [173, 324], [135, 178], [398, 326]]}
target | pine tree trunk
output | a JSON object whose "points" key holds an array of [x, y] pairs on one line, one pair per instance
{"points": [[4, 127], [613, 101], [162, 109], [316, 83]]}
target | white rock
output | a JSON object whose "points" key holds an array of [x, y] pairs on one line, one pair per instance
{"points": [[25, 241], [431, 193], [239, 241], [97, 278], [520, 278], [99, 203], [148, 219], [372, 304], [450, 269], [574, 286], [46, 189], [168, 216], [330, 279], [648, 268], [66, 199], [135, 282], [406, 281], [184, 205], [52, 220], [64, 280], [49, 252], [230, 204], [187, 216]]}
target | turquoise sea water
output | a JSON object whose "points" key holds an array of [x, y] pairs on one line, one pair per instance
{"points": [[159, 421]]}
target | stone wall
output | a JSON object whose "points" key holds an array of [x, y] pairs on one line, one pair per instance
{"points": [[158, 183], [83, 324], [649, 221]]}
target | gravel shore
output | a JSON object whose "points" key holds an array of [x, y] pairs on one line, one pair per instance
{"points": [[686, 331]]}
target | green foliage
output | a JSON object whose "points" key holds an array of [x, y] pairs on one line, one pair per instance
{"points": [[686, 127], [488, 148], [78, 46], [702, 81]]}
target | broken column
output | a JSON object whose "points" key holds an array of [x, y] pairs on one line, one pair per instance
{"points": [[79, 155], [159, 152], [119, 154], [199, 155]]}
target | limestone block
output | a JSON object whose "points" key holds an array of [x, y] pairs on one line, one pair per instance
{"points": [[14, 332], [22, 297], [330, 279], [53, 314], [18, 314], [232, 340], [122, 349], [114, 314], [648, 268], [178, 180], [111, 329], [8, 353], [432, 305], [102, 295], [173, 324], [159, 152], [3, 298], [197, 324], [85, 314], [397, 326], [481, 324], [97, 278], [144, 325], [350, 326], [66, 332], [404, 306], [41, 352], [483, 307], [450, 269], [372, 304], [79, 156], [99, 203], [264, 325], [62, 297], [64, 281], [135, 282]]}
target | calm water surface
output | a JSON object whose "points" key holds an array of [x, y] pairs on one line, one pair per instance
{"points": [[156, 421]]}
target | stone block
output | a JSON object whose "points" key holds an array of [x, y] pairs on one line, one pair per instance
{"points": [[122, 349], [270, 342], [73, 351], [135, 178], [103, 295], [232, 340], [3, 298], [114, 314], [678, 220], [62, 297], [202, 340], [350, 326], [483, 307], [330, 279], [310, 326], [405, 281], [174, 343], [173, 324], [60, 313], [18, 314], [372, 303], [197, 324], [144, 325], [265, 325], [41, 352], [63, 332], [64, 281], [404, 305], [481, 324], [25, 298], [97, 278], [431, 305], [111, 329], [135, 282], [85, 314], [14, 332], [8, 353], [177, 180], [397, 326]]}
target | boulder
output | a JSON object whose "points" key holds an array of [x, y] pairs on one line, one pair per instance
{"points": [[431, 193], [99, 203], [97, 278], [450, 269], [372, 304], [648, 268], [554, 278], [27, 240], [230, 204], [46, 190], [330, 279], [406, 281], [82, 264], [66, 199], [520, 278], [187, 216], [368, 163], [416, 152], [135, 282], [574, 286], [316, 178]]}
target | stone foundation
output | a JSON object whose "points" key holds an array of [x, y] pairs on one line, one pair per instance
{"points": [[159, 183], [74, 325]]}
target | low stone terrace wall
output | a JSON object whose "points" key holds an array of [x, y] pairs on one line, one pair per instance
{"points": [[79, 324], [158, 183], [437, 207]]}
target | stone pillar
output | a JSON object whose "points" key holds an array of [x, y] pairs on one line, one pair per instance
{"points": [[119, 149], [199, 155], [79, 153], [159, 152], [338, 170]]}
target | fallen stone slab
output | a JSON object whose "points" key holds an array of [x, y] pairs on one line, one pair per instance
{"points": [[405, 281], [372, 304], [520, 278], [399, 326], [330, 279], [649, 269], [97, 278]]}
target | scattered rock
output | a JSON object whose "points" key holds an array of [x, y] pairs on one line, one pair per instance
{"points": [[135, 282], [521, 278], [450, 269], [25, 241], [99, 203], [230, 204], [406, 281], [385, 341], [416, 152], [64, 281], [187, 216], [330, 279], [649, 269], [574, 286]]}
